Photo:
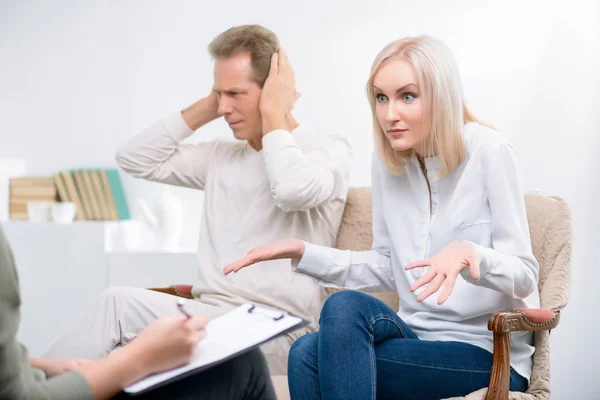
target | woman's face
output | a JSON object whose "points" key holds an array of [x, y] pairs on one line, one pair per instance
{"points": [[398, 104]]}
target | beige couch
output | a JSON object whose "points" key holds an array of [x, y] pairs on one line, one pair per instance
{"points": [[550, 229]]}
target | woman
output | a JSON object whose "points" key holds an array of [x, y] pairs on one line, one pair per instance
{"points": [[448, 217], [167, 343]]}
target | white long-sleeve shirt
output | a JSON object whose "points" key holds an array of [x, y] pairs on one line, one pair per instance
{"points": [[296, 186], [481, 201]]}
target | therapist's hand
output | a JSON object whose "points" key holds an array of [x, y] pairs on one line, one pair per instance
{"points": [[445, 267], [166, 343], [289, 248], [56, 367]]}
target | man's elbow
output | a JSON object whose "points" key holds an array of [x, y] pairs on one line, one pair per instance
{"points": [[121, 157], [301, 193], [127, 164], [294, 197], [290, 200]]}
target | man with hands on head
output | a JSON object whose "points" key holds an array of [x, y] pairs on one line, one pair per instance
{"points": [[277, 180]]}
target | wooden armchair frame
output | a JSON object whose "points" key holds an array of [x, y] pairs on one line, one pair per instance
{"points": [[502, 324]]}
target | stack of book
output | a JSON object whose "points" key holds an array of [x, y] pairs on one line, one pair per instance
{"points": [[26, 189], [97, 193]]}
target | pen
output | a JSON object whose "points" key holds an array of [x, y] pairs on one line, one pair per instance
{"points": [[182, 308]]}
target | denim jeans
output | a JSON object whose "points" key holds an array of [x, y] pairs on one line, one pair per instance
{"points": [[365, 351]]}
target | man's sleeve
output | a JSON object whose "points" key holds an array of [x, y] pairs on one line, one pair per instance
{"points": [[157, 154], [304, 178]]}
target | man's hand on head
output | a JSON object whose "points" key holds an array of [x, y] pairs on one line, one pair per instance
{"points": [[202, 112], [278, 95]]}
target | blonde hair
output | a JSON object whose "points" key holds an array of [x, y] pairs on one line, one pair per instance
{"points": [[444, 109], [260, 42]]}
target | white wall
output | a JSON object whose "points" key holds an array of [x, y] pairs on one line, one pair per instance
{"points": [[77, 78]]}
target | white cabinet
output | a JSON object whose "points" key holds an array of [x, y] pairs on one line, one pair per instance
{"points": [[64, 267]]}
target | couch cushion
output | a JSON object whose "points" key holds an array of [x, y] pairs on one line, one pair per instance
{"points": [[356, 233]]}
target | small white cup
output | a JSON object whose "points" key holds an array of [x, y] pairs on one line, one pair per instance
{"points": [[63, 213], [38, 211]]}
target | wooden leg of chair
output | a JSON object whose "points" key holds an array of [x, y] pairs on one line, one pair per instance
{"points": [[500, 379]]}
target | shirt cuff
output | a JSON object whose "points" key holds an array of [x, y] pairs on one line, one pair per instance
{"points": [[277, 139], [176, 127], [485, 264], [315, 262]]}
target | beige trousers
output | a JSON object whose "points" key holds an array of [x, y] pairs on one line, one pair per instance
{"points": [[120, 313]]}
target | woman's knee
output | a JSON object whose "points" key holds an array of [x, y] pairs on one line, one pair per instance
{"points": [[345, 303]]}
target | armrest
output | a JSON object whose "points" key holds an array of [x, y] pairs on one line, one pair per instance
{"points": [[524, 319], [176, 290], [502, 324]]}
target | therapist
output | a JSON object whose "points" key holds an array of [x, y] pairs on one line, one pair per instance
{"points": [[165, 344]]}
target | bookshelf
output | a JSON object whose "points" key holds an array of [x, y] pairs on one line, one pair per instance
{"points": [[97, 194]]}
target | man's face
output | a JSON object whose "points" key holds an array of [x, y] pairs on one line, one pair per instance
{"points": [[238, 96]]}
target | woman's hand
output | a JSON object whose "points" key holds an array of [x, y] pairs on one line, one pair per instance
{"points": [[445, 267], [289, 248], [167, 343]]}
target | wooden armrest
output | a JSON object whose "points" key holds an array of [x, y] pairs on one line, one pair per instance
{"points": [[524, 319], [502, 324], [176, 290]]}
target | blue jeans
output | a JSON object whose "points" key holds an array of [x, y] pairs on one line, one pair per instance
{"points": [[365, 351]]}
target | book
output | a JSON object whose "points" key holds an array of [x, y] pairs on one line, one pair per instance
{"points": [[112, 208], [22, 190], [19, 216], [14, 201], [241, 329], [117, 193], [17, 208], [100, 195], [33, 191], [92, 195], [30, 182], [63, 194], [86, 202], [74, 195]]}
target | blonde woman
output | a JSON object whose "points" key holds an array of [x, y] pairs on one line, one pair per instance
{"points": [[450, 235]]}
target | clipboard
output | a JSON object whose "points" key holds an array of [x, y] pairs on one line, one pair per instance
{"points": [[236, 332]]}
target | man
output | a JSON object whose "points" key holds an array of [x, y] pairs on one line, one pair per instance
{"points": [[277, 181]]}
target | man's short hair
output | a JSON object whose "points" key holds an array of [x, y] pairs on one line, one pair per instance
{"points": [[260, 42]]}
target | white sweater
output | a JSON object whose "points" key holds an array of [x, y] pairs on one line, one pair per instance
{"points": [[481, 201], [296, 186]]}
